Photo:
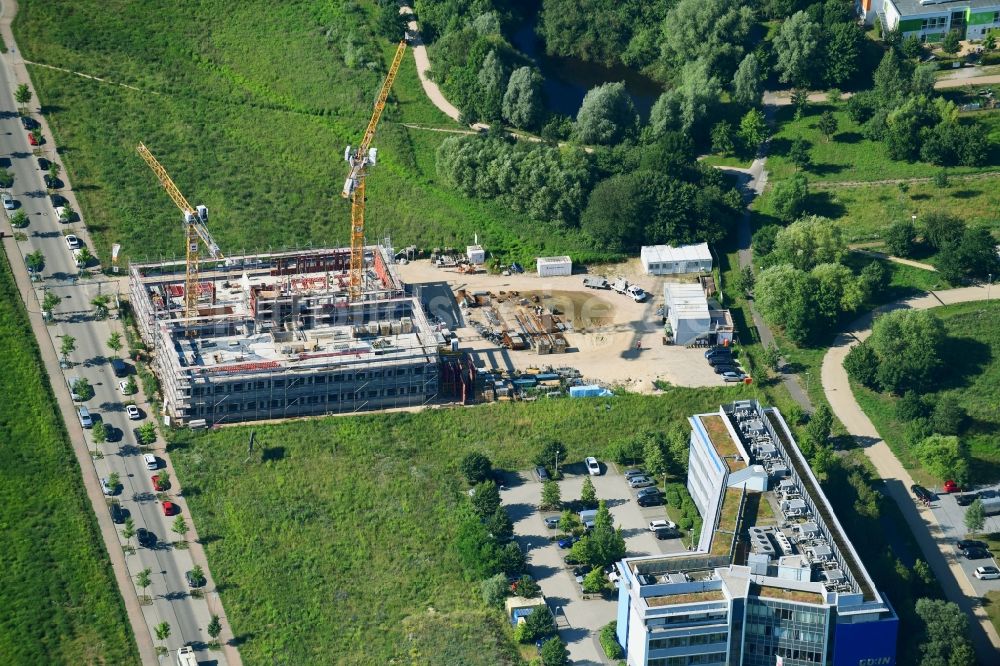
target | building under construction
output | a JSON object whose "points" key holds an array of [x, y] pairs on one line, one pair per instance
{"points": [[276, 335]]}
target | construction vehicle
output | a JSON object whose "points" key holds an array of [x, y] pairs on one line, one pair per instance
{"points": [[354, 187], [195, 218]]}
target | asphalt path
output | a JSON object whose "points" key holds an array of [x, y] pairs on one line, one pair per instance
{"points": [[75, 316]]}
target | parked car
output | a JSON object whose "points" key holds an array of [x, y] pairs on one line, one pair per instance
{"points": [[733, 376], [666, 533], [43, 164], [193, 580], [720, 359], [640, 482], [711, 351], [542, 473], [72, 242], [951, 487], [650, 500], [567, 541], [922, 493], [169, 509], [965, 544], [118, 514], [28, 123], [629, 473], [32, 140], [151, 462], [976, 554], [987, 573], [723, 369], [159, 486], [124, 388], [552, 522], [51, 182], [965, 499], [989, 493], [106, 486], [637, 293], [146, 538], [593, 467], [8, 201], [581, 571], [646, 492], [660, 524], [133, 412]]}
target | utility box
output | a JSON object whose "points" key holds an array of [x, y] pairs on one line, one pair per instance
{"points": [[553, 266], [476, 254]]}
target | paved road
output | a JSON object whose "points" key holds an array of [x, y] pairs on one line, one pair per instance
{"points": [[75, 316], [936, 543]]}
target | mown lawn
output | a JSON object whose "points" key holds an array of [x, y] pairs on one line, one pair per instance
{"points": [[336, 547], [59, 603], [972, 359], [250, 115]]}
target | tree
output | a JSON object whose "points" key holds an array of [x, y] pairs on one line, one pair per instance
{"points": [[129, 530], [747, 82], [786, 296], [22, 95], [772, 357], [500, 525], [143, 580], [798, 153], [511, 559], [491, 88], [689, 107], [948, 415], [554, 652], [180, 526], [100, 432], [215, 627], [990, 42], [527, 587], [37, 135], [605, 543], [753, 129], [146, 434], [945, 457], [827, 125], [875, 276], [796, 46], [494, 590], [653, 457], [722, 138], [198, 574], [19, 220], [390, 24], [789, 198], [810, 241], [908, 345], [763, 239], [607, 115], [588, 496], [972, 256], [861, 364], [35, 261], [951, 42], [940, 229], [550, 495], [716, 32], [54, 169], [522, 102], [475, 466], [538, 624], [551, 455], [975, 517], [843, 53], [745, 280], [115, 342], [594, 581], [946, 628], [486, 499], [6, 179], [820, 426], [901, 238], [890, 81], [84, 257], [911, 47], [163, 631], [800, 100], [67, 346], [569, 522], [114, 480]]}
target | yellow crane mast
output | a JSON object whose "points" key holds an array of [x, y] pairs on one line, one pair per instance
{"points": [[354, 186], [194, 228]]}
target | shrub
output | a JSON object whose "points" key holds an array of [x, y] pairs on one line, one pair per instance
{"points": [[862, 365], [476, 467], [494, 590], [609, 641]]}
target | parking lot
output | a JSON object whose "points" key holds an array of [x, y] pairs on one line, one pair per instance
{"points": [[579, 619], [951, 518]]}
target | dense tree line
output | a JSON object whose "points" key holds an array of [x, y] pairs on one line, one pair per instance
{"points": [[603, 31]]}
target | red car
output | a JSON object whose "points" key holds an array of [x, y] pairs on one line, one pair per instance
{"points": [[32, 140], [951, 487], [169, 509], [158, 486]]}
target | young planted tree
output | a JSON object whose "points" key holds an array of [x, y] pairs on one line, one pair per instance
{"points": [[588, 496], [22, 96], [143, 580], [114, 480], [36, 134], [6, 179], [827, 125], [951, 43], [554, 652], [35, 261], [115, 342], [84, 257], [19, 220], [100, 432], [67, 346], [197, 573], [551, 497], [130, 386], [215, 627], [798, 153], [146, 433], [49, 303], [129, 530], [476, 467], [485, 499], [180, 526], [163, 631], [753, 129], [54, 169], [569, 522], [975, 517]]}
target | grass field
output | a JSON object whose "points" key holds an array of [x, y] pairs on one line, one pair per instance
{"points": [[250, 116], [58, 596], [346, 525], [973, 359]]}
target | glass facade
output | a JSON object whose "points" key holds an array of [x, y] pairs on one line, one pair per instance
{"points": [[775, 628]]}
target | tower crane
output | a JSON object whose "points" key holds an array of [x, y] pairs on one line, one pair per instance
{"points": [[195, 218], [354, 186]]}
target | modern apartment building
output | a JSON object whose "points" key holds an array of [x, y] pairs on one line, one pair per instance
{"points": [[931, 20], [774, 579], [276, 336]]}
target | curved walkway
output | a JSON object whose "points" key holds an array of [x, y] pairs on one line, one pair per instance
{"points": [[936, 549], [424, 64]]}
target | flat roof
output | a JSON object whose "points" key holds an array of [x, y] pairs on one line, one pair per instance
{"points": [[915, 7], [554, 260], [667, 253], [686, 299], [685, 598], [722, 442]]}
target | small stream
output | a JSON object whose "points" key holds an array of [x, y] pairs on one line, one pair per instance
{"points": [[567, 80]]}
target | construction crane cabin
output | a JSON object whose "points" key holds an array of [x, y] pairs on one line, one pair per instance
{"points": [[354, 187], [195, 218]]}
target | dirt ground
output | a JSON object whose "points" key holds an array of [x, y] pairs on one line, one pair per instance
{"points": [[612, 340]]}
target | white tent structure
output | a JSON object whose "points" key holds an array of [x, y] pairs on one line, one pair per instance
{"points": [[687, 311], [667, 260]]}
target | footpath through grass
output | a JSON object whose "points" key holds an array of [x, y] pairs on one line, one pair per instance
{"points": [[336, 546], [972, 359], [59, 603], [249, 107]]}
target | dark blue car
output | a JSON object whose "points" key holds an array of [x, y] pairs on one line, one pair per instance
{"points": [[568, 541]]}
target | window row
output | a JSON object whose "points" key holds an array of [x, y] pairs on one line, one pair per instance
{"points": [[691, 660], [230, 407], [684, 641], [310, 380]]}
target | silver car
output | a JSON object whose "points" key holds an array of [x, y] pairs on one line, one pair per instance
{"points": [[640, 482]]}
